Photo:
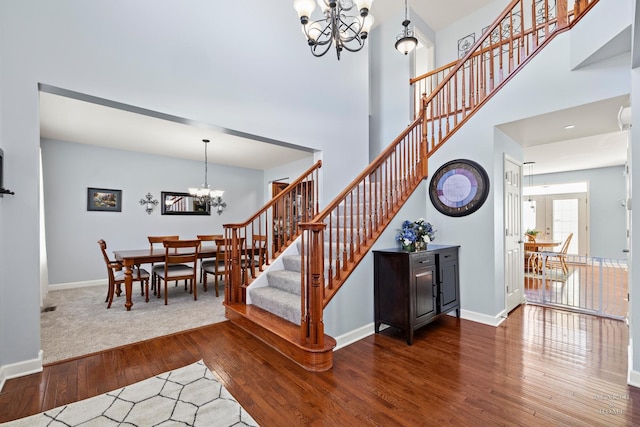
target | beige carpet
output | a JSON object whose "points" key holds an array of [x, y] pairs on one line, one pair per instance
{"points": [[188, 396], [81, 323]]}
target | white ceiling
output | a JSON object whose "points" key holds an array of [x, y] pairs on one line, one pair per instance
{"points": [[596, 140], [65, 118]]}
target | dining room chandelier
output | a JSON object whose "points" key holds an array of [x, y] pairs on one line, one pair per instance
{"points": [[405, 41], [345, 24], [204, 195]]}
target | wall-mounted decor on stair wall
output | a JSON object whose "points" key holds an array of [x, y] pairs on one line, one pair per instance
{"points": [[459, 187]]}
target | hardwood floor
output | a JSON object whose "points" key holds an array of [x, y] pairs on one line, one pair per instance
{"points": [[540, 367]]}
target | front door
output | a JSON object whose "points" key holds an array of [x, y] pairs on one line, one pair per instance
{"points": [[513, 243]]}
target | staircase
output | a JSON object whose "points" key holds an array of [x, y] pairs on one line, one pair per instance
{"points": [[284, 305]]}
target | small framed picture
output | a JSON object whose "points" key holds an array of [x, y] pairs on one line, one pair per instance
{"points": [[103, 199]]}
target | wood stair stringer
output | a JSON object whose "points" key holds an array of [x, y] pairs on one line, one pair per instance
{"points": [[281, 335]]}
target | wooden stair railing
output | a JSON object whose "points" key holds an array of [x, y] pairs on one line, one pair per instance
{"points": [[335, 240], [462, 86], [347, 228], [274, 227]]}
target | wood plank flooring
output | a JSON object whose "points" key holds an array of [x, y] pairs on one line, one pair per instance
{"points": [[540, 367]]}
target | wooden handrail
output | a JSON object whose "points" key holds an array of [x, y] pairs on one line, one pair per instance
{"points": [[338, 237], [563, 17], [250, 245]]}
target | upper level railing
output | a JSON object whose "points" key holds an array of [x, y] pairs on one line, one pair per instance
{"points": [[335, 240], [338, 237], [458, 89], [251, 245]]}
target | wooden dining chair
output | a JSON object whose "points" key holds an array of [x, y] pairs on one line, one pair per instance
{"points": [[208, 261], [116, 276], [219, 267], [531, 256], [156, 241], [560, 258], [259, 254], [180, 263]]}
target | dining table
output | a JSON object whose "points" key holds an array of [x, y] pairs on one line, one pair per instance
{"points": [[535, 247], [133, 257]]}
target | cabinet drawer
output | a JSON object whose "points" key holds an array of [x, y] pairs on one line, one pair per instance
{"points": [[448, 255], [418, 258]]}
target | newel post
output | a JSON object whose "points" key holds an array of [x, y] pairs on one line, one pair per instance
{"points": [[423, 140], [312, 283], [232, 255]]}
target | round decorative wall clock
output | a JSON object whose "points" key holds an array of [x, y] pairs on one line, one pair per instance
{"points": [[459, 187]]}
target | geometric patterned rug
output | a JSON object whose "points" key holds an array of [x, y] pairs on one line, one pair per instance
{"points": [[188, 396]]}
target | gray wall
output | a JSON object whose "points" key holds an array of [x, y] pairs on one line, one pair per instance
{"points": [[546, 84], [607, 217], [70, 168], [171, 58]]}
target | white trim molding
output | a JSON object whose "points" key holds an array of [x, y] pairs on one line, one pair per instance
{"points": [[20, 369]]}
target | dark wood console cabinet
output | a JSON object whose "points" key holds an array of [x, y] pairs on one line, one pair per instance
{"points": [[412, 289]]}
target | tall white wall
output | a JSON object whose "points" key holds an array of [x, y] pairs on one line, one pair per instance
{"points": [[188, 59]]}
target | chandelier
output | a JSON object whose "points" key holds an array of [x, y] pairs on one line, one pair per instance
{"points": [[204, 195], [405, 41], [341, 25]]}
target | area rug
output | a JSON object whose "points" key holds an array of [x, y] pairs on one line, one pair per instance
{"points": [[188, 396], [75, 322]]}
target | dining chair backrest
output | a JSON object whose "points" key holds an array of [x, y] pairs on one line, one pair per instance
{"points": [[531, 238], [111, 265], [177, 251], [260, 248], [158, 240], [116, 275], [209, 237]]}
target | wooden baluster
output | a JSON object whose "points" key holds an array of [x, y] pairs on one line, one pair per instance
{"points": [[523, 53], [424, 140], [545, 14], [511, 39], [534, 27], [562, 14]]}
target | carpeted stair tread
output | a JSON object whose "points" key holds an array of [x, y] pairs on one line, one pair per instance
{"points": [[285, 280], [292, 262], [278, 302]]}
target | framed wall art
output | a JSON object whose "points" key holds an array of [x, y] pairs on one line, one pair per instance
{"points": [[459, 187], [103, 199]]}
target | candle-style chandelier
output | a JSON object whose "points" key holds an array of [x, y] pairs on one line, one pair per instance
{"points": [[345, 24], [204, 195]]}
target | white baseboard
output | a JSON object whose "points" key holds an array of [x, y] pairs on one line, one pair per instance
{"points": [[366, 330], [75, 285], [355, 335], [482, 318], [20, 369]]}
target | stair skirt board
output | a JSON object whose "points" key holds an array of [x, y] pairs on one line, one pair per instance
{"points": [[282, 336]]}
